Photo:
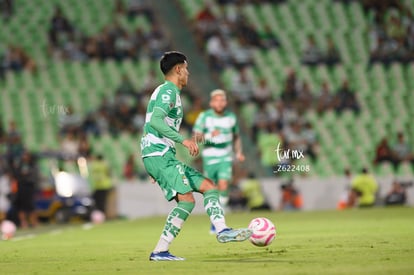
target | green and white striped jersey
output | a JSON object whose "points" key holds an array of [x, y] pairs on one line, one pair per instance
{"points": [[165, 97], [219, 148]]}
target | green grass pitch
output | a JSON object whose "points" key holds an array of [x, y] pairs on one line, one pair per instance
{"points": [[363, 241]]}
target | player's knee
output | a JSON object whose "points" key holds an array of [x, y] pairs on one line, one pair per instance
{"points": [[188, 197], [207, 185]]}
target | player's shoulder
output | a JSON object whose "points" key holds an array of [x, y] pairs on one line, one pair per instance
{"points": [[209, 112], [168, 87], [167, 91]]}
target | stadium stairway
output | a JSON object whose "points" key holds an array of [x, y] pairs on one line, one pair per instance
{"points": [[201, 81]]}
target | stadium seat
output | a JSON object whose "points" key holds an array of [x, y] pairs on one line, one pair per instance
{"points": [[384, 169], [405, 169]]}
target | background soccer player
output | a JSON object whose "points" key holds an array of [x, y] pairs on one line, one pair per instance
{"points": [[177, 180], [218, 129]]}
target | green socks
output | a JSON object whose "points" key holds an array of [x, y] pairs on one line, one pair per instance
{"points": [[173, 224], [214, 209]]}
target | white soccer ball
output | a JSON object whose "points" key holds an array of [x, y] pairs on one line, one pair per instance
{"points": [[8, 228], [264, 231], [97, 217]]}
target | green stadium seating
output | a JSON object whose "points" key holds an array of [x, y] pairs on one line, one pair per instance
{"points": [[386, 95], [35, 101]]}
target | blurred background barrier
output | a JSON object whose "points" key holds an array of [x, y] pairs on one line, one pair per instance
{"points": [[142, 199]]}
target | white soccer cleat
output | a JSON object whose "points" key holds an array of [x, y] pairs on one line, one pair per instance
{"points": [[234, 235]]}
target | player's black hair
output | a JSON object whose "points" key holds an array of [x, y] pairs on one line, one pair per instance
{"points": [[170, 59]]}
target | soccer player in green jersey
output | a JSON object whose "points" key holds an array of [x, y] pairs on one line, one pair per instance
{"points": [[177, 180], [219, 131]]}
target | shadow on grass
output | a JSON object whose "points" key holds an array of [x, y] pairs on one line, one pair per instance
{"points": [[251, 260], [266, 256]]}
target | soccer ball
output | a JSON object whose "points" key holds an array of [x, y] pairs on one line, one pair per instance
{"points": [[264, 231], [8, 228]]}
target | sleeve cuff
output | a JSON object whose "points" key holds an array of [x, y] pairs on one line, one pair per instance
{"points": [[180, 139]]}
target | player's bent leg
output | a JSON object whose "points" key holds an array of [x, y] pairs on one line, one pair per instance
{"points": [[212, 204], [216, 213], [207, 185], [187, 197], [223, 199], [223, 187]]}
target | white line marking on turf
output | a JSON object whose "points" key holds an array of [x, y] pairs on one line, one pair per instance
{"points": [[87, 226], [22, 238], [56, 232]]}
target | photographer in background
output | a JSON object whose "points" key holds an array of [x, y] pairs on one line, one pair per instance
{"points": [[26, 173], [252, 191], [363, 190], [397, 195], [101, 181], [291, 198]]}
